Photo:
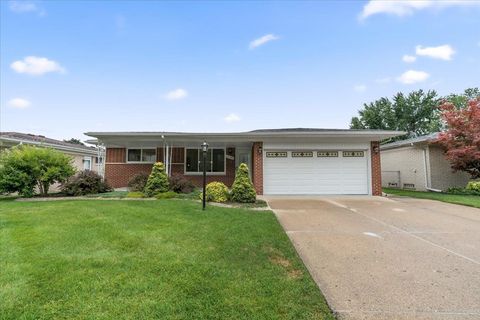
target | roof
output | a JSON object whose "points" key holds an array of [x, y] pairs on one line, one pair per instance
{"points": [[429, 138], [280, 133], [28, 138]]}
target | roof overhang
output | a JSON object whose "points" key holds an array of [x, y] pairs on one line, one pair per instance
{"points": [[12, 142]]}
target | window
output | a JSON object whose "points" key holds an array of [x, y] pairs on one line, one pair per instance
{"points": [[87, 163], [215, 161], [141, 155]]}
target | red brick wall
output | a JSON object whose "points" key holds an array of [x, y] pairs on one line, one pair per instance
{"points": [[118, 174], [376, 169], [257, 170]]}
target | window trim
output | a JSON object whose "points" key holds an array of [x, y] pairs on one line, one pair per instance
{"points": [[89, 159], [141, 154], [193, 173]]}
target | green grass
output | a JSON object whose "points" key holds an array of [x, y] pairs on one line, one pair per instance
{"points": [[466, 200], [112, 194], [163, 259]]}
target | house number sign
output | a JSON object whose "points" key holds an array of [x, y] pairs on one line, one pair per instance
{"points": [[276, 154], [353, 153], [302, 154], [327, 154]]}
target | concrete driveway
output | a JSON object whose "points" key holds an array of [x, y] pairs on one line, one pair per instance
{"points": [[388, 258]]}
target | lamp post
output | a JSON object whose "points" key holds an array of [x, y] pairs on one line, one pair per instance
{"points": [[204, 152]]}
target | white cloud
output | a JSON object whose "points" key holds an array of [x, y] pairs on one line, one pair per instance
{"points": [[444, 52], [408, 7], [176, 94], [413, 76], [359, 88], [36, 66], [232, 117], [25, 6], [19, 103], [262, 40], [408, 58]]}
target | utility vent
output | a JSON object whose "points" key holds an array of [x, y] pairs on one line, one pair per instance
{"points": [[408, 186], [393, 185]]}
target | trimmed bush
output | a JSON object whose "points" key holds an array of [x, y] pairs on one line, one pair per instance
{"points": [[180, 184], [216, 192], [135, 195], [138, 182], [242, 189], [157, 181], [166, 195], [473, 186], [85, 182]]}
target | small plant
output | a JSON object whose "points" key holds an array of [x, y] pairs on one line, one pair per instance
{"points": [[180, 184], [216, 192], [85, 182], [135, 195], [166, 195], [242, 189], [157, 181], [473, 186], [138, 182]]}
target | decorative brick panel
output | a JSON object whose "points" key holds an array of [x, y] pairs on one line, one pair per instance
{"points": [[376, 169], [257, 163], [116, 155]]}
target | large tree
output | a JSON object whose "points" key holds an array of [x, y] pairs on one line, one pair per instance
{"points": [[23, 168], [461, 100], [462, 136], [416, 113]]}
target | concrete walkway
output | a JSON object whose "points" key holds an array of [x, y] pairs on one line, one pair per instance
{"points": [[379, 258]]}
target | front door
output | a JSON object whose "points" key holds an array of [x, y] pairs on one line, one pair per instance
{"points": [[243, 156]]}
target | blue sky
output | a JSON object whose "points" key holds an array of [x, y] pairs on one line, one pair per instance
{"points": [[68, 67]]}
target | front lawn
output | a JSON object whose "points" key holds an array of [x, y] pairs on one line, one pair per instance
{"points": [[466, 200], [163, 259]]}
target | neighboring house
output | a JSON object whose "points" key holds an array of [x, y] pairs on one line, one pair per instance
{"points": [[418, 163], [84, 157], [281, 161]]}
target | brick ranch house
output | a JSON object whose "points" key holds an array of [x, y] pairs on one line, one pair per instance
{"points": [[281, 161]]}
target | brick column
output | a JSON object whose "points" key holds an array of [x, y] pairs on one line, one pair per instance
{"points": [[376, 169], [257, 163]]}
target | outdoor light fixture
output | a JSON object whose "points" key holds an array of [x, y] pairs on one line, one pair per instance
{"points": [[260, 150], [204, 152], [376, 149]]}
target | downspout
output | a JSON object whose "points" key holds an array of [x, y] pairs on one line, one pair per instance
{"points": [[425, 166]]}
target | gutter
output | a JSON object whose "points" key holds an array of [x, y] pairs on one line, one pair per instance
{"points": [[51, 145]]}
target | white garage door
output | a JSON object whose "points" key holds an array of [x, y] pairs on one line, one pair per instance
{"points": [[315, 172]]}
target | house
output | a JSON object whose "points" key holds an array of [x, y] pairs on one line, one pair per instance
{"points": [[84, 157], [282, 161], [418, 163]]}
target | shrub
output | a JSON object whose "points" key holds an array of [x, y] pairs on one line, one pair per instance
{"points": [[463, 191], [166, 195], [135, 195], [180, 184], [23, 168], [138, 182], [85, 182], [473, 186], [157, 181], [216, 192], [242, 189]]}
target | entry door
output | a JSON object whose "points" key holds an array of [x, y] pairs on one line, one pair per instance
{"points": [[243, 155]]}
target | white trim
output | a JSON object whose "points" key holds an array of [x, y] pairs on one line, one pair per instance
{"points": [[194, 173], [141, 153], [89, 159]]}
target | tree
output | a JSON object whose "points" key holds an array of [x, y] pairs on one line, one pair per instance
{"points": [[74, 141], [461, 100], [416, 113], [462, 137], [242, 188], [157, 180], [23, 168]]}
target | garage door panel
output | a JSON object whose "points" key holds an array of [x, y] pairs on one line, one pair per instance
{"points": [[315, 175]]}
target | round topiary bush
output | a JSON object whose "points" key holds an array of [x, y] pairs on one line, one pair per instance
{"points": [[138, 182], [242, 189], [216, 192], [157, 181]]}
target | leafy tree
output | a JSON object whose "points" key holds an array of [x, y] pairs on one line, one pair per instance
{"points": [[461, 100], [242, 189], [416, 113], [23, 168], [462, 137], [74, 141], [157, 181]]}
